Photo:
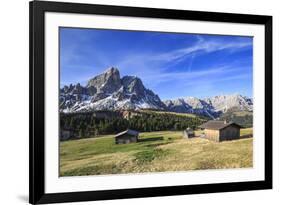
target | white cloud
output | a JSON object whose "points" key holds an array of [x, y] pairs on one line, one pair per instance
{"points": [[202, 46], [149, 63], [213, 74]]}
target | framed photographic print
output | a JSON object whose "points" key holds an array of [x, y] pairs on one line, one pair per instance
{"points": [[140, 102]]}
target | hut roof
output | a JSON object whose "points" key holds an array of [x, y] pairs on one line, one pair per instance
{"points": [[128, 131], [217, 125]]}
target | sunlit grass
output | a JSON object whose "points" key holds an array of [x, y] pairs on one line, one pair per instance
{"points": [[156, 152]]}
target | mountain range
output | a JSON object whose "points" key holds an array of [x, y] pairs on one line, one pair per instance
{"points": [[108, 91]]}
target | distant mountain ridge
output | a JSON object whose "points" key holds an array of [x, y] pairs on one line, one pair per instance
{"points": [[108, 91], [211, 107]]}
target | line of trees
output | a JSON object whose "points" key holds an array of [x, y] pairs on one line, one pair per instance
{"points": [[88, 125]]}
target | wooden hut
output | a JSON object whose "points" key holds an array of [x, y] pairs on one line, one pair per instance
{"points": [[221, 130], [188, 133], [127, 136]]}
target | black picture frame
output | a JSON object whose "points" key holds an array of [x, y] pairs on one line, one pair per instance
{"points": [[37, 193]]}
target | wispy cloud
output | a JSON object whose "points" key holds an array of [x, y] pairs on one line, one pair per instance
{"points": [[189, 78], [171, 76], [149, 62], [200, 47]]}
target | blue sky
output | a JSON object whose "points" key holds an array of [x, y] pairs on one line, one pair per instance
{"points": [[170, 64]]}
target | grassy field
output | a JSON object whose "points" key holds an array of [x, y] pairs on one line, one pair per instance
{"points": [[156, 152]]}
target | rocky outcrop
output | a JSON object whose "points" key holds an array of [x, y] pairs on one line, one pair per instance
{"points": [[108, 91]]}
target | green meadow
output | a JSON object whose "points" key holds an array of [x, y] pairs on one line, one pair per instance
{"points": [[156, 152]]}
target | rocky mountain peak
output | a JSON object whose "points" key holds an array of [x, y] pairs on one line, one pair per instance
{"points": [[133, 84], [225, 102], [111, 70], [107, 91], [107, 82]]}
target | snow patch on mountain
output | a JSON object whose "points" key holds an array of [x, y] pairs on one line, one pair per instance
{"points": [[211, 107], [108, 91]]}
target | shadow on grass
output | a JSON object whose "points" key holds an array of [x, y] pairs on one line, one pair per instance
{"points": [[152, 139], [246, 136]]}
